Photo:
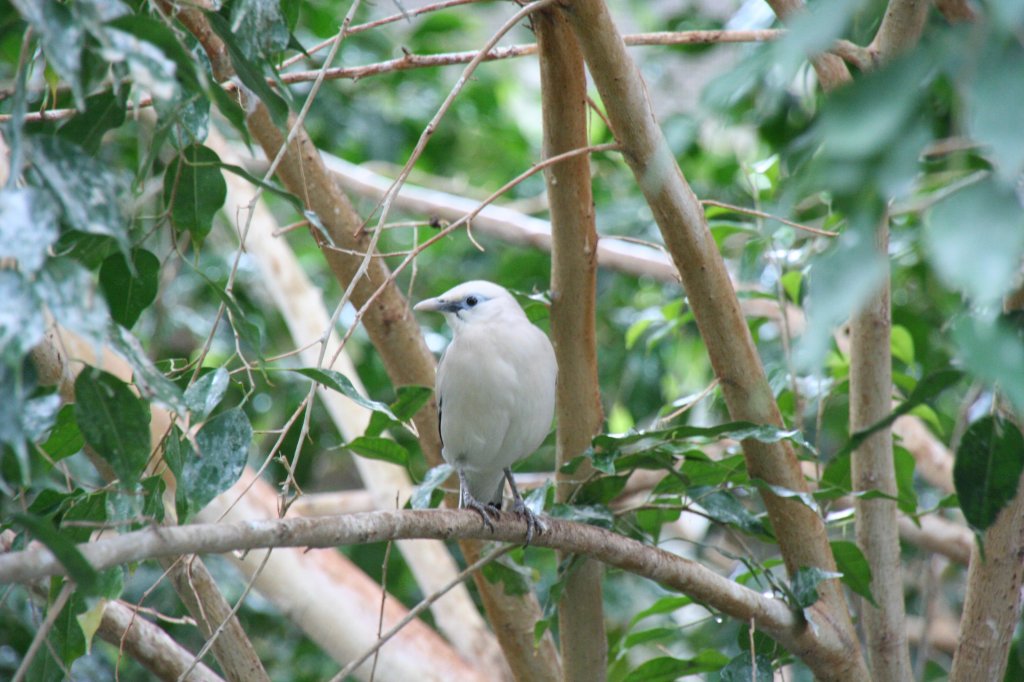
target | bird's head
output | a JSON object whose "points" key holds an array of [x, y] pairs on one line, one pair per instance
{"points": [[473, 302]]}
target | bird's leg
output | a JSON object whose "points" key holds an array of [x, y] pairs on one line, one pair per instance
{"points": [[467, 501], [533, 523]]}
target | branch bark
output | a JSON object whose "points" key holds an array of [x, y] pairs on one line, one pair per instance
{"points": [[150, 645], [800, 531], [831, 69], [573, 301], [872, 468], [818, 641]]}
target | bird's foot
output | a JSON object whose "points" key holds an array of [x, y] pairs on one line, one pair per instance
{"points": [[534, 524], [485, 511]]}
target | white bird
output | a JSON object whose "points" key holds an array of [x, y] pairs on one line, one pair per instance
{"points": [[495, 393]]}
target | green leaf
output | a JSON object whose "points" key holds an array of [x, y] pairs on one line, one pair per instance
{"points": [[988, 467], [223, 444], [104, 111], [150, 381], [724, 508], [248, 73], [600, 490], [69, 292], [741, 669], [130, 289], [409, 401], [992, 116], [663, 605], [984, 269], [337, 381], [65, 439], [204, 395], [591, 514], [62, 39], [113, 422], [86, 188], [902, 344], [64, 550], [259, 26], [194, 189], [805, 584], [906, 496], [384, 449], [668, 669], [423, 495], [515, 578], [21, 320], [792, 284], [994, 352], [28, 227], [856, 572]]}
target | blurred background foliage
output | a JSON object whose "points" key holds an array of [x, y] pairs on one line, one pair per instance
{"points": [[934, 140]]}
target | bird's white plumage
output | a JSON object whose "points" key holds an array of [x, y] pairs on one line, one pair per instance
{"points": [[495, 385]]}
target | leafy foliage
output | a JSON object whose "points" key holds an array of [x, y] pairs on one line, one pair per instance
{"points": [[119, 250]]}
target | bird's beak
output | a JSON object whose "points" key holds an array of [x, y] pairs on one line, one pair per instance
{"points": [[430, 305]]}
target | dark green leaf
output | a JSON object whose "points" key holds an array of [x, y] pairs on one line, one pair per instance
{"points": [[88, 189], [129, 290], [21, 320], [71, 295], [742, 669], [206, 393], [663, 605], [409, 401], [65, 439], [113, 422], [656, 634], [259, 26], [724, 508], [856, 572], [150, 381], [422, 496], [514, 577], [339, 382], [223, 452], [600, 490], [64, 550], [194, 189], [249, 73], [987, 470], [103, 111], [906, 497], [28, 226], [668, 669], [375, 447], [805, 584]]}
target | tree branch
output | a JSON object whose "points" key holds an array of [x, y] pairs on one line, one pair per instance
{"points": [[563, 84], [872, 468], [818, 642], [801, 532]]}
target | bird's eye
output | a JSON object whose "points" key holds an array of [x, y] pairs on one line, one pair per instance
{"points": [[471, 301]]}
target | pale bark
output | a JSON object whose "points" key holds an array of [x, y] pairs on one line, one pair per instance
{"points": [[148, 644], [939, 536], [900, 29], [800, 531], [993, 602], [831, 70], [333, 601], [872, 468], [573, 303]]}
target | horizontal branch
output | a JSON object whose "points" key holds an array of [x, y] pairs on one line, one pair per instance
{"points": [[770, 615]]}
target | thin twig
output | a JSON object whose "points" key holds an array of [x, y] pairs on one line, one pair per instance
{"points": [[44, 630], [420, 608], [768, 216]]}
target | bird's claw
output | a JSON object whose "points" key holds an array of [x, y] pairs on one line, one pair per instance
{"points": [[484, 510], [534, 524]]}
